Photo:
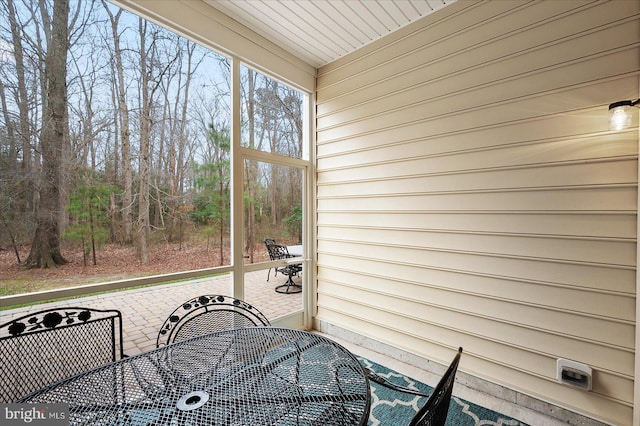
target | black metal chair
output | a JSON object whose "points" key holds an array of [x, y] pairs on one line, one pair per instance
{"points": [[208, 314], [434, 411], [47, 346], [269, 242], [279, 252]]}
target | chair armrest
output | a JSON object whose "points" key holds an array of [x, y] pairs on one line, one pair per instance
{"points": [[384, 382]]}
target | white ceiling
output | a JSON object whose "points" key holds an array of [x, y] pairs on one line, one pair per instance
{"points": [[321, 31]]}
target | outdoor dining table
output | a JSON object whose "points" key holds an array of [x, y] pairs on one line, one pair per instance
{"points": [[295, 250], [250, 376]]}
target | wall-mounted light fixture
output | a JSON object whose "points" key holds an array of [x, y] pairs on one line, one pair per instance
{"points": [[620, 114]]}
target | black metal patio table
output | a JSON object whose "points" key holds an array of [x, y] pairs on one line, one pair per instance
{"points": [[252, 376]]}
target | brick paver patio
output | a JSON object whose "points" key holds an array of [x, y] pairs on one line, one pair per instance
{"points": [[145, 309]]}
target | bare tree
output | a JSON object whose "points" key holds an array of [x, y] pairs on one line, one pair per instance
{"points": [[152, 71], [8, 171], [125, 136], [251, 168], [179, 139], [22, 99], [142, 228], [45, 249], [132, 118]]}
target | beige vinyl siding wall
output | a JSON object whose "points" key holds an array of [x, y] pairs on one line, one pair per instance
{"points": [[470, 194]]}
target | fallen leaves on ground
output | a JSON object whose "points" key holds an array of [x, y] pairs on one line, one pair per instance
{"points": [[114, 262]]}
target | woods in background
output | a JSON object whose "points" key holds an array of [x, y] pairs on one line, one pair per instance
{"points": [[114, 129]]}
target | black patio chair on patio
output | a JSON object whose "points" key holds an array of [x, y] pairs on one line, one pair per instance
{"points": [[279, 252], [43, 347], [208, 314], [434, 411]]}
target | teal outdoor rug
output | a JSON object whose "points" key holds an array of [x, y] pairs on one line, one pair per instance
{"points": [[393, 408]]}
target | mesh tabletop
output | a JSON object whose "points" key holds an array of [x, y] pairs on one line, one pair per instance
{"points": [[253, 376]]}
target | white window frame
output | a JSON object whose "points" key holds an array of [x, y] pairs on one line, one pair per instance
{"points": [[299, 319]]}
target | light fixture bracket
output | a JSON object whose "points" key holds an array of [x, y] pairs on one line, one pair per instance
{"points": [[624, 103]]}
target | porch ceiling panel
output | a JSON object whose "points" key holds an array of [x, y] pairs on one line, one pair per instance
{"points": [[321, 31]]}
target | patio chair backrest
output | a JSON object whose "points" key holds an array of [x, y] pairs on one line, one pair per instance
{"points": [[208, 314], [43, 347], [434, 411], [277, 251]]}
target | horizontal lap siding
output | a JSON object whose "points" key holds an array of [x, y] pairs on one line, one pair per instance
{"points": [[470, 194]]}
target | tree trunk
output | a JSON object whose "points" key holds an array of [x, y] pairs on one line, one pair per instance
{"points": [[142, 230], [23, 104], [13, 239], [45, 249], [127, 174], [12, 154], [92, 232], [221, 209], [112, 215], [250, 170], [183, 135], [159, 178]]}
